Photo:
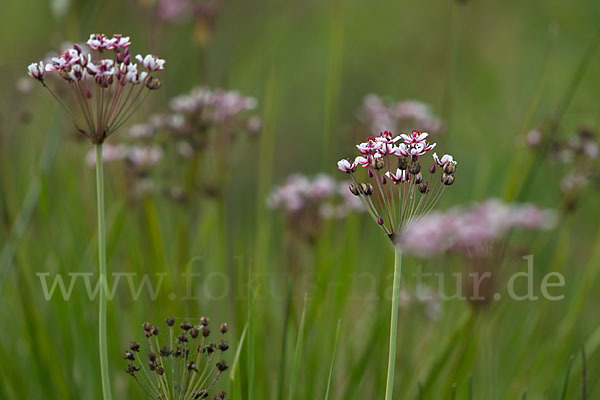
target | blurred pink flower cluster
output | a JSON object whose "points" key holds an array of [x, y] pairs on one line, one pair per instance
{"points": [[380, 115], [320, 196], [471, 229]]}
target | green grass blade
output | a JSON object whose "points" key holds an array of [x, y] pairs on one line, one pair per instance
{"points": [[566, 384], [335, 344], [583, 375], [298, 351]]}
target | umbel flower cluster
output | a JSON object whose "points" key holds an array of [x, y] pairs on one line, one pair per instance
{"points": [[187, 368], [105, 83], [397, 188], [306, 202], [379, 114]]}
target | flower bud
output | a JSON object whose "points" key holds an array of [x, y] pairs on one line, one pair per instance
{"points": [[424, 187], [371, 174], [224, 326], [383, 179], [432, 169], [170, 321], [354, 189], [380, 220]]}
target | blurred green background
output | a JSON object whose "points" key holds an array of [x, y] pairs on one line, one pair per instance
{"points": [[493, 70]]}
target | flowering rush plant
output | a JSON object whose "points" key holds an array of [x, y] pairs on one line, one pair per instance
{"points": [[106, 85], [397, 188], [395, 191]]}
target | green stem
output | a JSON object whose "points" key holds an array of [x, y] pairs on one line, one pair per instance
{"points": [[102, 345], [389, 387]]}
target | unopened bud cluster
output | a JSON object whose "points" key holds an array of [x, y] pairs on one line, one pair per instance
{"points": [[184, 362]]}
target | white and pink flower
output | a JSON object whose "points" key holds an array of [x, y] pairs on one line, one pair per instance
{"points": [[446, 158], [346, 165], [36, 70], [151, 62]]}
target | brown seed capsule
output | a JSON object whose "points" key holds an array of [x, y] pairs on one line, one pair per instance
{"points": [[153, 83], [418, 178], [222, 394], [194, 333], [414, 167], [170, 321], [154, 330], [367, 189], [160, 370], [378, 163], [205, 331], [152, 357], [450, 168], [134, 346], [182, 338], [204, 321], [165, 351], [447, 179], [222, 366], [402, 163], [186, 326], [128, 356], [424, 187], [224, 327], [353, 189], [223, 346], [147, 326]]}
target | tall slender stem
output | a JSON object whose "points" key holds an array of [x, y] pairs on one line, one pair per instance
{"points": [[102, 342], [389, 387]]}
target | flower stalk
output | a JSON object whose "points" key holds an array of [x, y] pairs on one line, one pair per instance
{"points": [[389, 387], [102, 338]]}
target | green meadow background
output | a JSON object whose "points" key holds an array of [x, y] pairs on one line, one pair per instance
{"points": [[492, 69]]}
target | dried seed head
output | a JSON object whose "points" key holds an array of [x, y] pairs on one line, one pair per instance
{"points": [[222, 366], [160, 370], [152, 357], [154, 331], [223, 346], [182, 338], [147, 326], [424, 187], [134, 346], [129, 356], [186, 326], [224, 327], [205, 331], [132, 369], [204, 321], [170, 321], [194, 333], [165, 351]]}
